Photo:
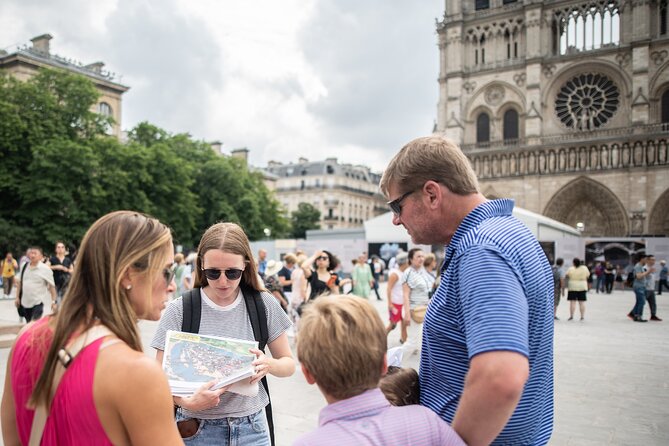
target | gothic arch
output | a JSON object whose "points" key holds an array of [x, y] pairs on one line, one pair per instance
{"points": [[658, 223], [517, 97], [590, 202]]}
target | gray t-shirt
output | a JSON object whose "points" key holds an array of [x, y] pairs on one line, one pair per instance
{"points": [[230, 322], [420, 287]]}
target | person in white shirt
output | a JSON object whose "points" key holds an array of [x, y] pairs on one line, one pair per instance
{"points": [[34, 286]]}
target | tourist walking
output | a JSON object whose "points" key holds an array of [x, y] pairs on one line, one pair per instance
{"points": [[416, 293], [558, 285], [577, 287], [487, 352], [639, 286], [395, 293], [62, 268], [110, 392], [664, 271], [362, 278], [34, 287], [8, 266], [650, 288], [319, 273]]}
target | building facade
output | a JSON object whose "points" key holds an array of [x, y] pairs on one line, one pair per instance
{"points": [[24, 62], [564, 106], [346, 195]]}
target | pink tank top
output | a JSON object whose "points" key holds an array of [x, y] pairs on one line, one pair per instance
{"points": [[73, 419]]}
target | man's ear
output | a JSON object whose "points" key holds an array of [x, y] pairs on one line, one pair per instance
{"points": [[307, 374], [433, 192]]}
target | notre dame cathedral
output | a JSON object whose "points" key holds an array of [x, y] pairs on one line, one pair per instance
{"points": [[563, 106]]}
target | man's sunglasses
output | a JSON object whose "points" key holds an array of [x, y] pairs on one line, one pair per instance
{"points": [[230, 274], [169, 273], [396, 204]]}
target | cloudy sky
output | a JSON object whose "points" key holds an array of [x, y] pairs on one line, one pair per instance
{"points": [[317, 78]]}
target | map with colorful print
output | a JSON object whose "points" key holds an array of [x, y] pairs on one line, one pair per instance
{"points": [[192, 359]]}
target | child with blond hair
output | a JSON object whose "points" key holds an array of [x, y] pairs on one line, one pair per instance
{"points": [[342, 349]]}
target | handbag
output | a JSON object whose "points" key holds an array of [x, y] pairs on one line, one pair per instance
{"points": [[418, 313]]}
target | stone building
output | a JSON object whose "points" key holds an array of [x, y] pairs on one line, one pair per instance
{"points": [[346, 195], [564, 106], [25, 61]]}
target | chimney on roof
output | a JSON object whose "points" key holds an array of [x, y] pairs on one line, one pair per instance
{"points": [[41, 43], [302, 160], [241, 153], [216, 146], [95, 67], [272, 163]]}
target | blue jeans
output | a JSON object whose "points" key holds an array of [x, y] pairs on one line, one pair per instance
{"points": [[251, 430], [640, 294]]}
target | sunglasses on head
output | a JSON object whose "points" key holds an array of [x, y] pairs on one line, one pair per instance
{"points": [[215, 273], [169, 273]]}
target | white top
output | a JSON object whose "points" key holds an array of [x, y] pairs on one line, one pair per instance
{"points": [[419, 285], [35, 284], [396, 295]]}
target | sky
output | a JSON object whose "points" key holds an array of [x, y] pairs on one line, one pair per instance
{"points": [[350, 79]]}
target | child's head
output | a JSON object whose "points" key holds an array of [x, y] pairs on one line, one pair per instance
{"points": [[400, 386], [342, 345]]}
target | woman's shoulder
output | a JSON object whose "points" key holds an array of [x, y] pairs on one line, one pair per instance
{"points": [[119, 360]]}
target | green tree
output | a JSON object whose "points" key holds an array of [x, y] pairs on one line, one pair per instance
{"points": [[305, 217]]}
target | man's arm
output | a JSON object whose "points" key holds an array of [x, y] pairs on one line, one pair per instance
{"points": [[493, 387]]}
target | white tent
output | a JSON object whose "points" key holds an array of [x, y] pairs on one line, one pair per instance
{"points": [[381, 229]]}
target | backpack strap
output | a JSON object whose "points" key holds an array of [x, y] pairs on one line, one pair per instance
{"points": [[23, 270], [192, 309], [255, 307]]}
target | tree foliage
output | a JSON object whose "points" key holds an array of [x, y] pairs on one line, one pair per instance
{"points": [[304, 218], [59, 171]]}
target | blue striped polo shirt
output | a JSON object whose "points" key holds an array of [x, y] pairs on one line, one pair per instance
{"points": [[496, 293]]}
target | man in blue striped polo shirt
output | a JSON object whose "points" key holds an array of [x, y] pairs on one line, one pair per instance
{"points": [[487, 353]]}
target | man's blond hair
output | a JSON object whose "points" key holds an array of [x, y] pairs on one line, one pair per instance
{"points": [[342, 342], [430, 158]]}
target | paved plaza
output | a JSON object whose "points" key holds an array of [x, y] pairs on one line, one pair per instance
{"points": [[611, 377]]}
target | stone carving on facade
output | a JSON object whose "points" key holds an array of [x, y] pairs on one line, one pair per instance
{"points": [[548, 70], [519, 79], [658, 57], [494, 95], [640, 98], [623, 59], [469, 87], [637, 220]]}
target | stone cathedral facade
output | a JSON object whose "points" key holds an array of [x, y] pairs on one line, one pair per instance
{"points": [[563, 106]]}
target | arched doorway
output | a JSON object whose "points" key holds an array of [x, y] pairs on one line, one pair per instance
{"points": [[659, 217], [591, 203]]}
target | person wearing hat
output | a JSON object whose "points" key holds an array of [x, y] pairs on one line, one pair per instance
{"points": [[663, 277], [272, 282]]}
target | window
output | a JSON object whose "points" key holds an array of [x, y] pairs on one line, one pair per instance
{"points": [[482, 4], [105, 109], [585, 29], [663, 17], [665, 106], [483, 128], [587, 101], [510, 124], [506, 2]]}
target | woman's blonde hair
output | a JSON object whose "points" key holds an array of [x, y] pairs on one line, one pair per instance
{"points": [[113, 245], [230, 238], [343, 343]]}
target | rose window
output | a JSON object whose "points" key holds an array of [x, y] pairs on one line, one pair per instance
{"points": [[587, 101]]}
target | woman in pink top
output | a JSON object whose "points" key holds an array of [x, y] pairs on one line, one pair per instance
{"points": [[111, 393]]}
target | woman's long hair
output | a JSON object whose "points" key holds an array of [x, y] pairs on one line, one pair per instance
{"points": [[230, 238], [114, 244]]}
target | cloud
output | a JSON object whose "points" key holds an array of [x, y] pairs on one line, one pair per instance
{"points": [[315, 78]]}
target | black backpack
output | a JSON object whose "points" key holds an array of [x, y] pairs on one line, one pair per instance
{"points": [[192, 309]]}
